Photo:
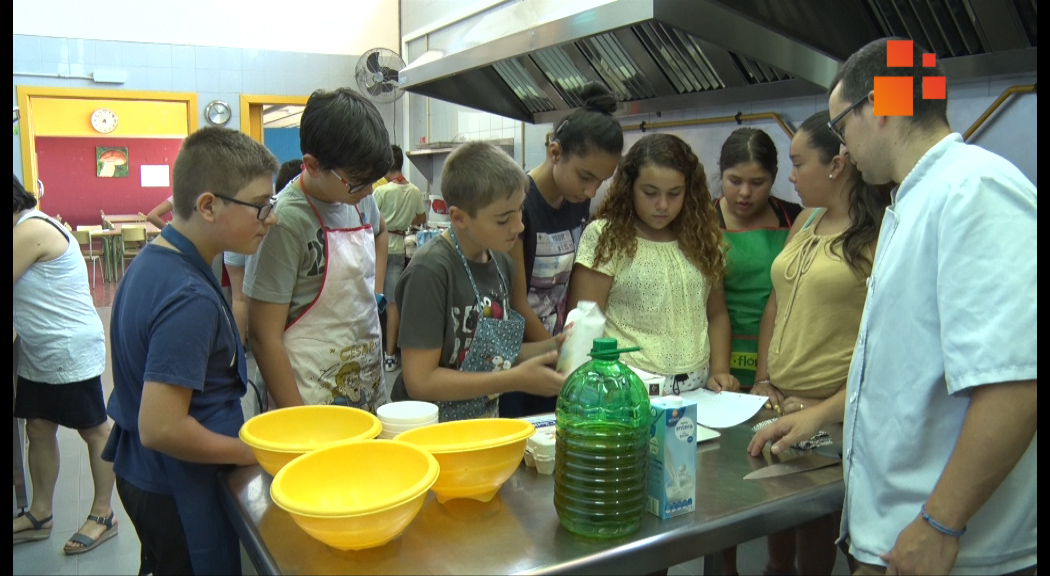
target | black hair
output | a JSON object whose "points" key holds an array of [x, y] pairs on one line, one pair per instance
{"points": [[592, 126], [288, 171], [217, 160], [749, 145], [867, 202], [398, 158], [858, 73], [343, 130], [22, 200]]}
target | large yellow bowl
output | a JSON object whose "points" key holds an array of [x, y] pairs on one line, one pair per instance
{"points": [[476, 456], [357, 494], [279, 436]]}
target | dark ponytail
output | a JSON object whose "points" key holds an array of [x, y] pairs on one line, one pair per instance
{"points": [[21, 200], [867, 202], [591, 126]]}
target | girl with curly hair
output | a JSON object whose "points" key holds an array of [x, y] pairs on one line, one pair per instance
{"points": [[652, 259]]}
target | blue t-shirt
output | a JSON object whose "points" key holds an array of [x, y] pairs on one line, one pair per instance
{"points": [[169, 325]]}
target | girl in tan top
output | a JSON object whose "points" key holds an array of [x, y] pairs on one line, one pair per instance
{"points": [[811, 322]]}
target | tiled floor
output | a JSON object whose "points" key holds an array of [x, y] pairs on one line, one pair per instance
{"points": [[120, 555]]}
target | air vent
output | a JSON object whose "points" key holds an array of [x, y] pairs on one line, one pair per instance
{"points": [[757, 73], [1026, 11], [524, 87], [680, 57], [944, 26], [558, 68], [617, 69]]}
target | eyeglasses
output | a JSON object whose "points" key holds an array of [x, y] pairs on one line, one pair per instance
{"points": [[837, 119], [264, 210], [350, 189]]}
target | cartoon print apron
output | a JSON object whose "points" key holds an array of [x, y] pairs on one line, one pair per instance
{"points": [[335, 346], [212, 542], [494, 347], [747, 287]]}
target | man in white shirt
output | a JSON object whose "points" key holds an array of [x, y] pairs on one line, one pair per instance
{"points": [[940, 404]]}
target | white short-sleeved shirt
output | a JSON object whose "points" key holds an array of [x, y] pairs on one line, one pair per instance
{"points": [[951, 305]]}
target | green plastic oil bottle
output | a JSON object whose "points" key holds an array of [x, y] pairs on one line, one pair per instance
{"points": [[601, 459]]}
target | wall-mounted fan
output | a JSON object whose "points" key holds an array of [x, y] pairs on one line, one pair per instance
{"points": [[376, 74]]}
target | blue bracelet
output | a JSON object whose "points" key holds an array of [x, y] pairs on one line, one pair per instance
{"points": [[940, 527]]}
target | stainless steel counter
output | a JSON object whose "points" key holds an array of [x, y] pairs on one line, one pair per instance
{"points": [[518, 531]]}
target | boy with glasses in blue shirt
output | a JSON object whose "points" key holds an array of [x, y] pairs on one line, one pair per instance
{"points": [[179, 370]]}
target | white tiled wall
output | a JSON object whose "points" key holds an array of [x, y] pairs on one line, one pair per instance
{"points": [[211, 72]]}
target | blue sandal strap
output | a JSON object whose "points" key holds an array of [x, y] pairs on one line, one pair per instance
{"points": [[107, 521], [37, 524], [79, 538]]}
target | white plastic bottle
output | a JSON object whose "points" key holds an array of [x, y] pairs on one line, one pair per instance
{"points": [[582, 325]]}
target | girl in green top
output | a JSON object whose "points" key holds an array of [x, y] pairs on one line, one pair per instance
{"points": [[755, 226]]}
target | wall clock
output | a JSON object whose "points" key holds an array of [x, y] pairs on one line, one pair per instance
{"points": [[104, 120], [218, 112]]}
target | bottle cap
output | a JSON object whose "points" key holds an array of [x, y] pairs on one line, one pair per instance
{"points": [[673, 401], [605, 349]]}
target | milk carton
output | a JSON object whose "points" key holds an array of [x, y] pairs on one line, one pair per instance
{"points": [[672, 457]]}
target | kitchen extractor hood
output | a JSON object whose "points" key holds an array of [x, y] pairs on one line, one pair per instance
{"points": [[659, 55]]}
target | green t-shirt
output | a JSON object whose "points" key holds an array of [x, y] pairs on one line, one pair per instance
{"points": [[399, 203]]}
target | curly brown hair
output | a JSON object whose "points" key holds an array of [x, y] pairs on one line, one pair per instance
{"points": [[696, 226]]}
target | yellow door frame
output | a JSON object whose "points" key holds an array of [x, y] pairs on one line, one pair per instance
{"points": [[27, 133], [252, 111]]}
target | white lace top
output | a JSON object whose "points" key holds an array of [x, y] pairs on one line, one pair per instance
{"points": [[658, 301]]}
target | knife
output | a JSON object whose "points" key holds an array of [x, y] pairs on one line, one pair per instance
{"points": [[800, 464]]}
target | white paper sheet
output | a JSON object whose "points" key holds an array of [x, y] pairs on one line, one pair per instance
{"points": [[155, 176], [724, 409]]}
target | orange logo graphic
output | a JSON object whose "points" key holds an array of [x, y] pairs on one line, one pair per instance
{"points": [[893, 94]]}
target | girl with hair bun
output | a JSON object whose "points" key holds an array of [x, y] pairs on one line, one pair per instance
{"points": [[582, 152]]}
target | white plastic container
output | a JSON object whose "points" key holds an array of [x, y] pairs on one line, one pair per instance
{"points": [[408, 412], [582, 325]]}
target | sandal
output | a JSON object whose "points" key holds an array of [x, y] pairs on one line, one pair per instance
{"points": [[86, 541], [38, 532]]}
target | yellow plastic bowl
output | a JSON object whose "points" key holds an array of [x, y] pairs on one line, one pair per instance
{"points": [[476, 456], [357, 494], [279, 436]]}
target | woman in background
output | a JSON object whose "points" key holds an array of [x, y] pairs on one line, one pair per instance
{"points": [[61, 357]]}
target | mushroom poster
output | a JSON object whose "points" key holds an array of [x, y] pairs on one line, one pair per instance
{"points": [[111, 162]]}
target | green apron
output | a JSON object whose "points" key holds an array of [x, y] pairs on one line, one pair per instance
{"points": [[747, 287]]}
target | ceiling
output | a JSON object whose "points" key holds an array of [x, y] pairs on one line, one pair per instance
{"points": [[660, 55], [282, 116]]}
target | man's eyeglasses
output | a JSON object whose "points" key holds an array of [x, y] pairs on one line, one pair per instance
{"points": [[833, 124], [350, 189], [264, 209]]}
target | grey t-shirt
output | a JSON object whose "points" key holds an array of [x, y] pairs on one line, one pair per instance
{"points": [[438, 310], [290, 263]]}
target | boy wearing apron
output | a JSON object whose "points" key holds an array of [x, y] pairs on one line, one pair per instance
{"points": [[316, 278], [461, 343], [179, 369]]}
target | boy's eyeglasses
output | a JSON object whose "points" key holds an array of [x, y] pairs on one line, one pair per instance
{"points": [[350, 189], [834, 121], [264, 209]]}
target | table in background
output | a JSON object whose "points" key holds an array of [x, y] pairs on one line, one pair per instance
{"points": [[518, 531], [113, 247], [126, 218]]}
